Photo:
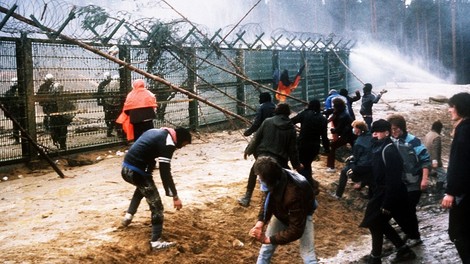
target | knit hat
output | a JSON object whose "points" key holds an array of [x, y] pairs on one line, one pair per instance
{"points": [[381, 125]]}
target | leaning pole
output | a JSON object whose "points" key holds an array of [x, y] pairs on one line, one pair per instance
{"points": [[127, 65]]}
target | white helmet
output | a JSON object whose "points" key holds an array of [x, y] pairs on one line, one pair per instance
{"points": [[49, 77], [58, 87], [107, 75]]}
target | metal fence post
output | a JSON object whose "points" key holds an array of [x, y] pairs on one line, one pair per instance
{"points": [[24, 62], [240, 62], [193, 104]]}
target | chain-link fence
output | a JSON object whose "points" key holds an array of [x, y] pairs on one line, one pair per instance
{"points": [[27, 63]]}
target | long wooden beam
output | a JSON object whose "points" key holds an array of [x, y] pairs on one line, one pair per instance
{"points": [[128, 66]]}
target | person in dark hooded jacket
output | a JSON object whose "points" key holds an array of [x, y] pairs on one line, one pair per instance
{"points": [[350, 100], [265, 110], [275, 138], [313, 131]]}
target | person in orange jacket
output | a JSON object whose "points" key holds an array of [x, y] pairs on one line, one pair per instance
{"points": [[138, 112], [285, 86]]}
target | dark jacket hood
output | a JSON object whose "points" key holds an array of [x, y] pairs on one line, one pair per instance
{"points": [[282, 122]]}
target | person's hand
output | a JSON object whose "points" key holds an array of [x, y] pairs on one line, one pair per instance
{"points": [[383, 91], [350, 172], [177, 204], [447, 201], [424, 184], [256, 232]]}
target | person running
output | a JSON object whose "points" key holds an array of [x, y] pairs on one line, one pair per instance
{"points": [[342, 132], [265, 110], [359, 165], [313, 134]]}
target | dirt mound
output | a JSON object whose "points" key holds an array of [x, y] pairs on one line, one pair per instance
{"points": [[46, 219]]}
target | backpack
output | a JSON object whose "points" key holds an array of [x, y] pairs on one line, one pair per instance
{"points": [[411, 167]]}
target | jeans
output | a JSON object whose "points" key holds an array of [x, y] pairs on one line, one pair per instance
{"points": [[307, 246], [146, 187]]}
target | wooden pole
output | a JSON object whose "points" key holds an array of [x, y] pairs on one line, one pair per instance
{"points": [[129, 66], [34, 143]]}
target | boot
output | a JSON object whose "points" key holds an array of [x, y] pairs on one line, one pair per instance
{"points": [[245, 200], [374, 259], [404, 253]]}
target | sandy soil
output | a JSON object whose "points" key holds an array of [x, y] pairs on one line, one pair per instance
{"points": [[45, 219]]}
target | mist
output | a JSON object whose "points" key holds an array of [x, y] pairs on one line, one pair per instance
{"points": [[369, 61]]}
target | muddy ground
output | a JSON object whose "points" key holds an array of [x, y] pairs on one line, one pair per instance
{"points": [[45, 219]]}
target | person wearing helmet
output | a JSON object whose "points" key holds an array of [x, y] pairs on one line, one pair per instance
{"points": [[63, 112], [10, 101], [46, 104], [109, 97], [101, 86]]}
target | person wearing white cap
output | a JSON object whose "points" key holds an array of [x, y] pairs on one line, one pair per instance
{"points": [[47, 106], [10, 101]]}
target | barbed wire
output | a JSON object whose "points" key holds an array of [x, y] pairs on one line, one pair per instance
{"points": [[93, 23]]}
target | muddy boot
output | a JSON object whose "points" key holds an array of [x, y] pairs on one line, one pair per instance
{"points": [[404, 254], [245, 200], [374, 259]]}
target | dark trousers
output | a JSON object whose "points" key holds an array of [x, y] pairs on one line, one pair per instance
{"points": [[146, 188], [459, 230], [411, 227], [330, 162], [362, 174], [307, 153], [140, 128], [368, 120], [58, 129], [378, 229]]}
